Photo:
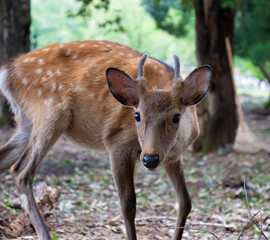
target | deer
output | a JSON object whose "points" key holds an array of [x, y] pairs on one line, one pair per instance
{"points": [[107, 97]]}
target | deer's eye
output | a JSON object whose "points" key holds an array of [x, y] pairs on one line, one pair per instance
{"points": [[137, 117], [176, 118]]}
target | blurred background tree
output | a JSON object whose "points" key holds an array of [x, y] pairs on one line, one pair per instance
{"points": [[252, 35], [15, 23]]}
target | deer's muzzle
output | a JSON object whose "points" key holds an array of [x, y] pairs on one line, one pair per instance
{"points": [[150, 161]]}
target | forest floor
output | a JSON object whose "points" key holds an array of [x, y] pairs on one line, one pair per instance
{"points": [[80, 201]]}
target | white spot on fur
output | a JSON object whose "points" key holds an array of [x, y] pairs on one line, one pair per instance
{"points": [[24, 81], [100, 99], [18, 74], [95, 45], [39, 92], [154, 87], [48, 101], [39, 70], [161, 71], [40, 61], [54, 86], [32, 59], [16, 65], [45, 49], [4, 87], [81, 89], [24, 201], [108, 45], [68, 52], [59, 105], [61, 45], [155, 67], [43, 78], [26, 60], [60, 86], [49, 73], [130, 55], [82, 45], [92, 95], [58, 72]]}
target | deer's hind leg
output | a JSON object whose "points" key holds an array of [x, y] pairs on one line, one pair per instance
{"points": [[46, 130], [11, 151]]}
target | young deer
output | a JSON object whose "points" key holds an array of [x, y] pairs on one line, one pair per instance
{"points": [[76, 89]]}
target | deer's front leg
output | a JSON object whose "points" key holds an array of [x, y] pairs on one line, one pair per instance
{"points": [[123, 174], [176, 175]]}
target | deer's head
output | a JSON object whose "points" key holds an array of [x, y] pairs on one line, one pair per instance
{"points": [[158, 113]]}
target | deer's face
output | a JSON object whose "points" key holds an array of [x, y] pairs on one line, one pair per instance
{"points": [[157, 114], [157, 120]]}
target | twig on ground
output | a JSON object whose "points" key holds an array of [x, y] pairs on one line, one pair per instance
{"points": [[252, 218], [221, 225], [260, 237], [245, 227], [202, 230]]}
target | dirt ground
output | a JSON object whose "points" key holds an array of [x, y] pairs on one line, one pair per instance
{"points": [[79, 201]]}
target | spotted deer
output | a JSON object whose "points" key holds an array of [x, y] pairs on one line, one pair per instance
{"points": [[90, 92]]}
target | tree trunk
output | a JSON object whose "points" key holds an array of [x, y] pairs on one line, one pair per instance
{"points": [[14, 36], [217, 113]]}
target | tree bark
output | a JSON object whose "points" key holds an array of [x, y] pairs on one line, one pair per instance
{"points": [[217, 112], [15, 23]]}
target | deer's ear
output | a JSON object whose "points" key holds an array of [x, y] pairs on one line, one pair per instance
{"points": [[122, 87], [196, 85]]}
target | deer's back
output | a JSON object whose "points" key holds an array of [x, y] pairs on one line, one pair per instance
{"points": [[73, 74]]}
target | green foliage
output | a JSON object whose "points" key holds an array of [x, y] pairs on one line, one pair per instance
{"points": [[252, 39], [85, 9], [55, 236], [51, 23], [267, 104], [260, 53], [228, 4], [8, 202], [172, 16], [247, 68]]}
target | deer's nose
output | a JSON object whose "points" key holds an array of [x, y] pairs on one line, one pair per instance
{"points": [[150, 161]]}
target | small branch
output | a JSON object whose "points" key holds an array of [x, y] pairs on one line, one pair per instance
{"points": [[260, 237], [265, 73], [202, 230], [190, 223], [245, 227], [248, 207]]}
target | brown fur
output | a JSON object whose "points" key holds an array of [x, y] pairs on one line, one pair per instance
{"points": [[62, 89]]}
